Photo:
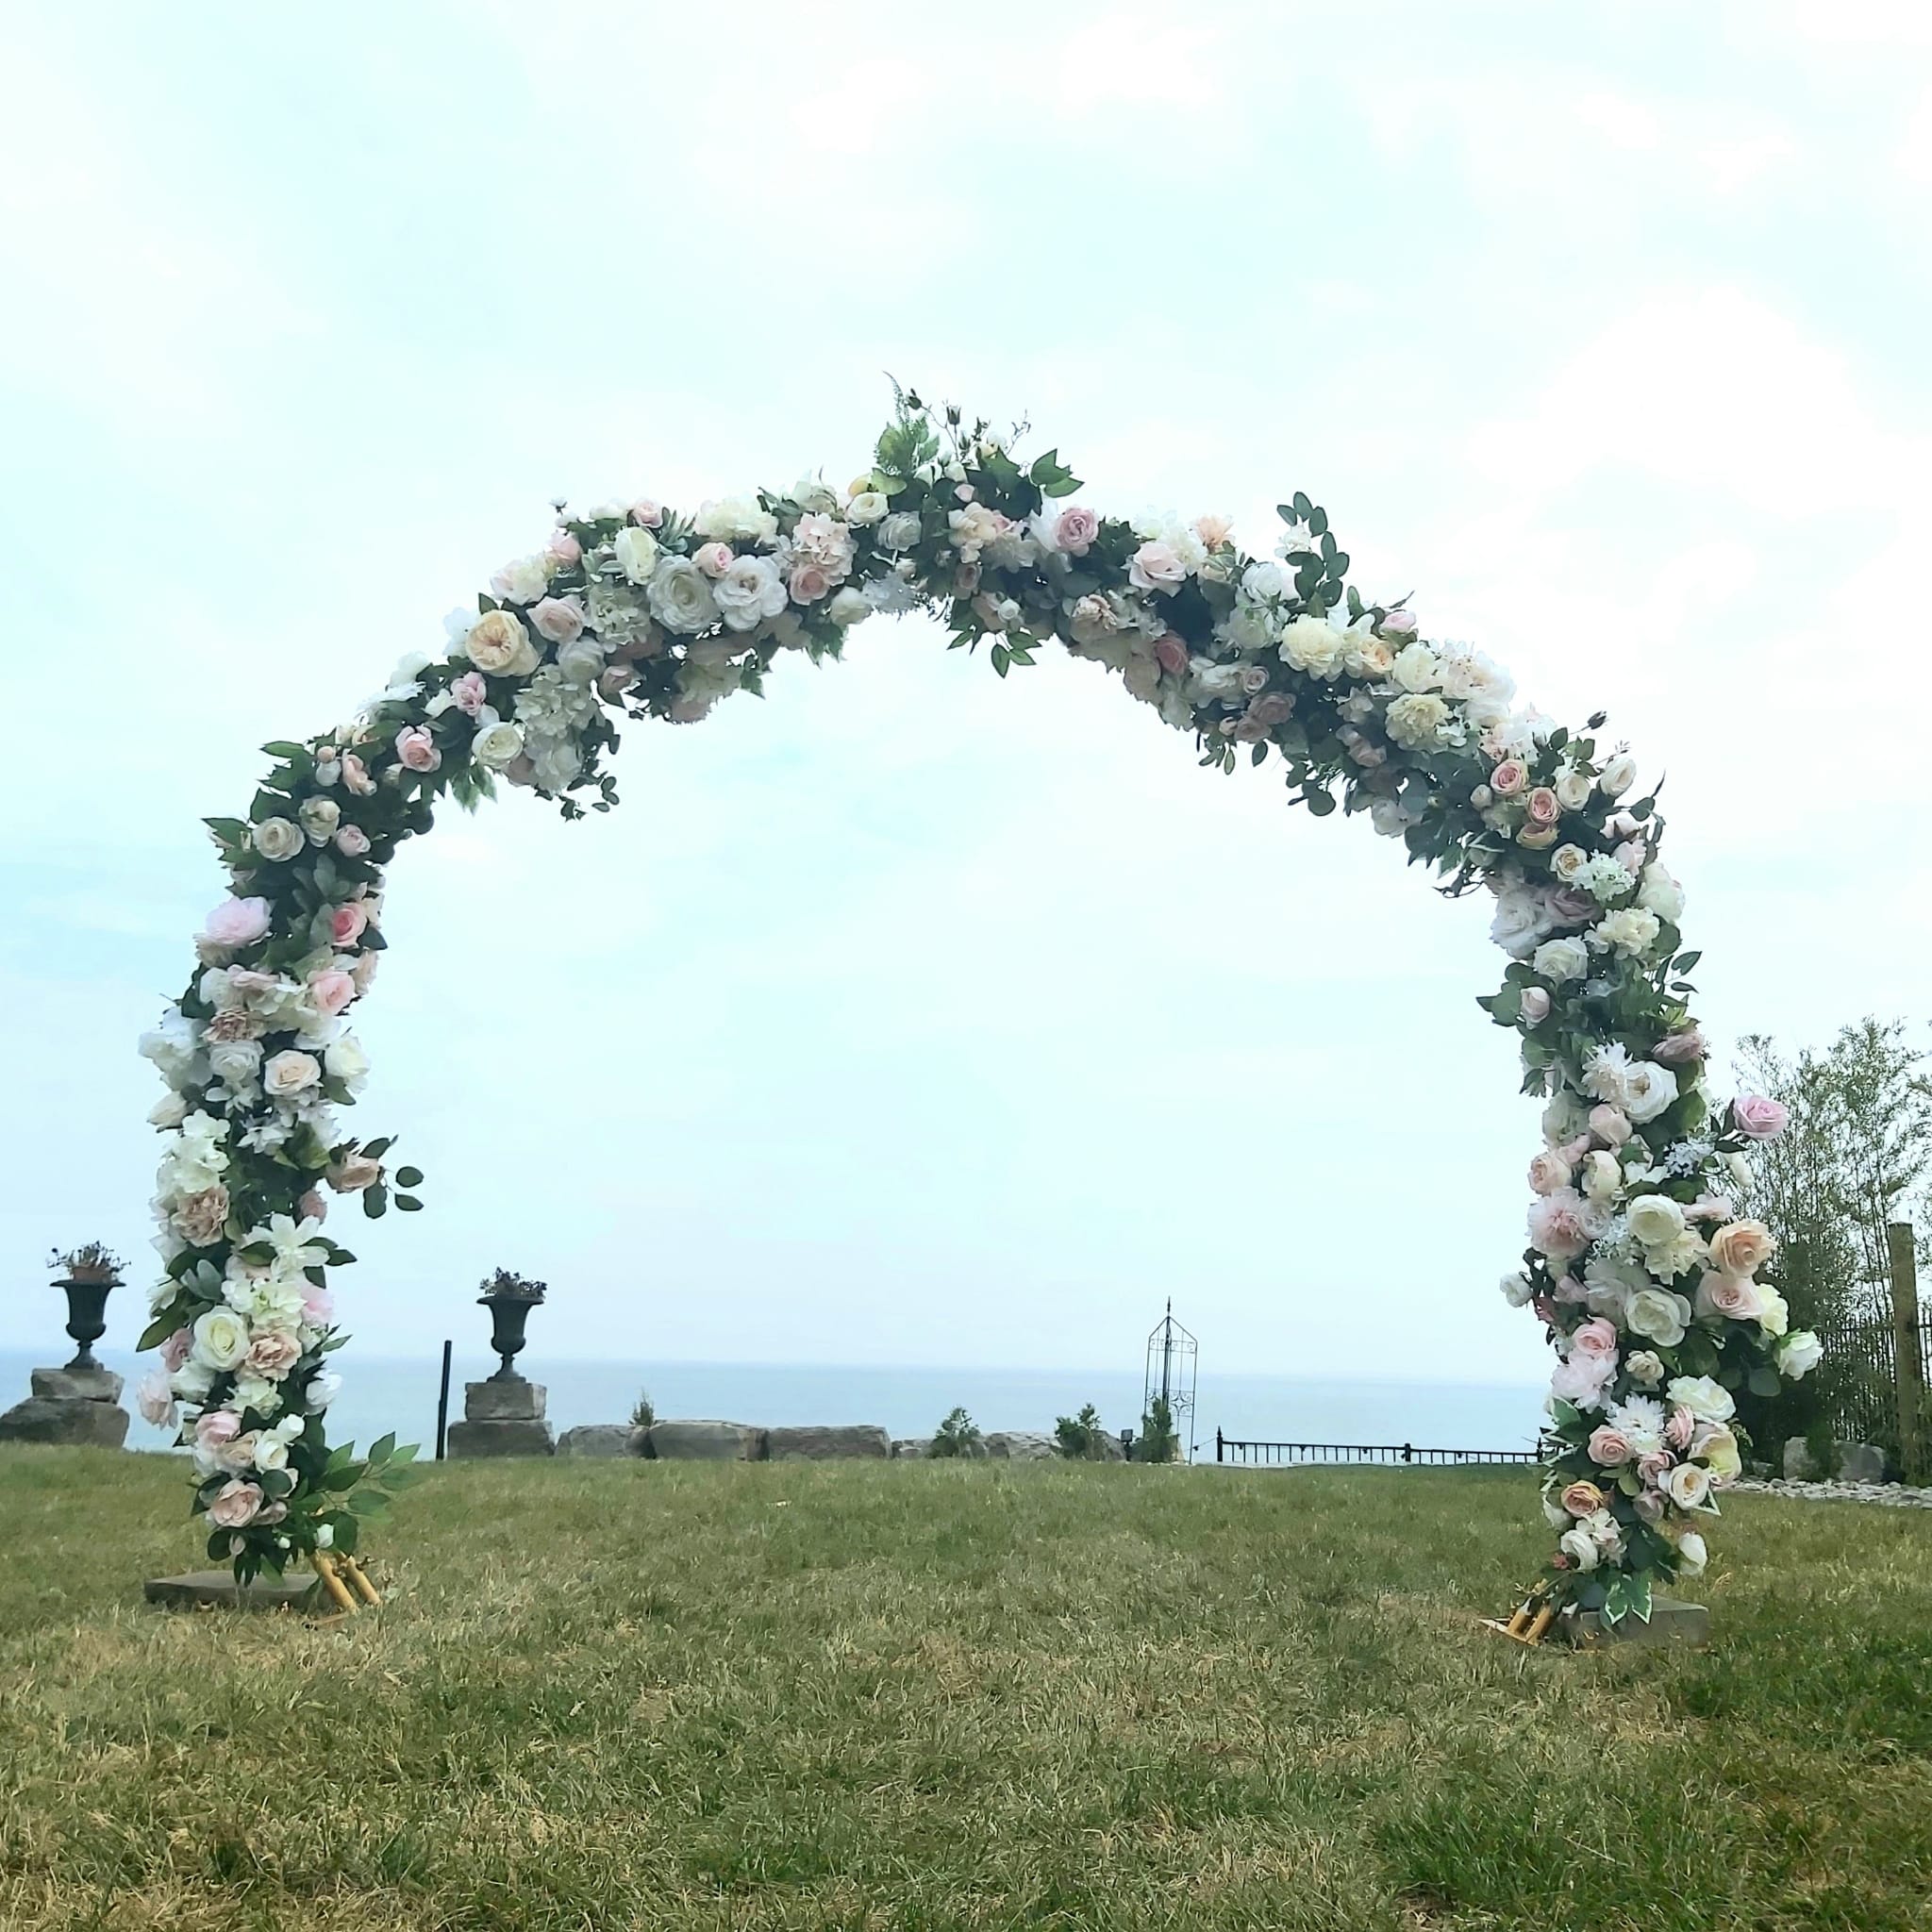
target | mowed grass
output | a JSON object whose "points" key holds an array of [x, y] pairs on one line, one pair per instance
{"points": [[886, 1696]]}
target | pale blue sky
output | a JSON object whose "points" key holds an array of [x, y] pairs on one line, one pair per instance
{"points": [[907, 1016]]}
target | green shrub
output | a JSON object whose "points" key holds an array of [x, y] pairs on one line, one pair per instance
{"points": [[1082, 1438], [643, 1413], [958, 1435]]}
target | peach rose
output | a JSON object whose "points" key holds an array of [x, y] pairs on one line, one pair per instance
{"points": [[273, 1354], [291, 1073], [1582, 1499], [496, 641], [1548, 1171], [416, 749], [353, 1172], [1742, 1248]]}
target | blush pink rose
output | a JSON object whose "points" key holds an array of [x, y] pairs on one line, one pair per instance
{"points": [[1680, 1428], [1535, 1006], [564, 548], [347, 923], [318, 1303], [216, 1427], [1742, 1247], [312, 1205], [470, 693], [1611, 1124], [1171, 654], [236, 1504], [1610, 1447], [355, 776], [646, 514], [174, 1350], [1542, 806], [330, 991], [1548, 1171], [1398, 623], [560, 619], [1596, 1337], [1679, 1049], [1653, 1468], [809, 582], [1735, 1297], [351, 841], [154, 1400], [273, 1354], [1757, 1118], [714, 559], [416, 749], [1157, 566], [1509, 777], [1074, 530], [235, 922]]}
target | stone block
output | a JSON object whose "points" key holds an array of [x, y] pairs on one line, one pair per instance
{"points": [[601, 1439], [1022, 1445], [823, 1443], [515, 1435], [1860, 1462], [99, 1425], [1801, 1466], [76, 1385], [912, 1448], [218, 1587], [515, 1401], [707, 1442], [1672, 1622]]}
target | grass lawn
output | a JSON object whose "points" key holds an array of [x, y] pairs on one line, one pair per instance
{"points": [[638, 1694]]}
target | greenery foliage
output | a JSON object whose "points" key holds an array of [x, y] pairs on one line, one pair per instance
{"points": [[644, 1412], [91, 1262], [957, 1436], [1082, 1438], [1158, 1440]]}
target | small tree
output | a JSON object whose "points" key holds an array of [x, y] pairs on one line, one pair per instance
{"points": [[644, 1412], [1158, 1440], [958, 1435], [1082, 1436]]}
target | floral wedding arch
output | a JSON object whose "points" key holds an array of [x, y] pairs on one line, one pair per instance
{"points": [[1639, 1266]]}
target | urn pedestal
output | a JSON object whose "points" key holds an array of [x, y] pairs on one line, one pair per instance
{"points": [[503, 1416], [80, 1403]]}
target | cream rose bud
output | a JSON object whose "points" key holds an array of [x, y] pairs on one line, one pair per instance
{"points": [[1572, 788], [347, 1061], [1798, 1353], [1692, 1554], [1644, 1369], [320, 817], [291, 1073], [1659, 892], [1618, 775], [220, 1339], [1535, 1007], [847, 607], [496, 747], [636, 551], [1580, 1547], [277, 839], [867, 506], [1561, 960], [1602, 1176]]}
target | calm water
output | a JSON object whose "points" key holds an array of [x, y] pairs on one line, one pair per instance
{"points": [[381, 1394]]}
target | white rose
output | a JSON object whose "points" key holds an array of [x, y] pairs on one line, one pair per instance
{"points": [[323, 1389], [899, 531], [278, 838], [497, 746], [524, 581], [271, 1451], [1798, 1353], [1659, 1316], [1602, 1176], [680, 595], [1416, 668], [1648, 1090], [749, 591], [1688, 1486], [168, 1111], [1776, 1316], [1314, 646], [1416, 720], [1708, 1400], [236, 1062], [867, 506], [1656, 1220], [1661, 894], [320, 817], [1618, 775], [1692, 1554], [1561, 960], [1580, 1547], [636, 551], [848, 606], [1571, 788], [289, 1072], [193, 1380], [220, 1339], [347, 1061]]}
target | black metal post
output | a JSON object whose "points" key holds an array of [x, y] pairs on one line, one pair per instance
{"points": [[443, 1403], [1217, 1444]]}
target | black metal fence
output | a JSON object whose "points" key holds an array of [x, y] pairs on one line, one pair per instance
{"points": [[1287, 1455], [1864, 1387]]}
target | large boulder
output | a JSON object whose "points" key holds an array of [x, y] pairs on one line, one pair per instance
{"points": [[45, 1419], [521, 1436], [602, 1439], [823, 1443], [911, 1448], [707, 1442], [1021, 1445], [1860, 1462]]}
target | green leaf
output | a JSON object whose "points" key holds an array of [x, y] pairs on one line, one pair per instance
{"points": [[410, 1176], [1636, 1594], [155, 1333], [384, 1448], [1764, 1381], [408, 1204]]}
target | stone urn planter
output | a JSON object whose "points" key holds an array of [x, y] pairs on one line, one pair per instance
{"points": [[87, 1311], [503, 1415], [509, 1299], [80, 1403]]}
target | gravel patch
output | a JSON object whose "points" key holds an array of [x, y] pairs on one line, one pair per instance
{"points": [[1888, 1496]]}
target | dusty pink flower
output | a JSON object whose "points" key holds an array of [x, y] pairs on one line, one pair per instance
{"points": [[1654, 1467], [235, 922], [1757, 1118], [416, 749], [351, 841], [200, 1217], [1171, 653], [234, 1023], [1650, 1507], [1569, 908], [1509, 777], [564, 548], [1735, 1297], [1074, 530], [1679, 1049], [1611, 1124], [1582, 1499], [1573, 1151], [174, 1350], [154, 1400], [647, 514], [714, 559], [1571, 1292], [273, 1354], [236, 1506], [1270, 709], [318, 1303], [1680, 1428], [470, 693], [1535, 1006], [810, 581], [313, 1206], [1710, 1208], [1596, 1337], [355, 776], [330, 991], [347, 923], [560, 619], [1542, 806], [1610, 1447]]}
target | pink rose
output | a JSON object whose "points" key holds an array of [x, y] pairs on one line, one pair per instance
{"points": [[1742, 1247], [1711, 1207], [1542, 806], [416, 749], [1610, 1447], [1653, 1468], [1535, 1006], [1596, 1337], [353, 1172], [174, 1350], [1611, 1124], [1398, 623], [564, 548], [809, 582], [330, 991], [470, 693], [1735, 1297], [1548, 1171], [714, 559], [1270, 709], [347, 923], [1680, 1428], [235, 922], [1074, 531], [560, 619], [1509, 777], [1157, 566], [351, 841], [273, 1354], [1679, 1049], [1649, 1507], [647, 514], [1757, 1118], [311, 1207], [154, 1400], [1583, 1499], [355, 776], [1555, 1224], [236, 1506], [216, 1428], [1171, 654]]}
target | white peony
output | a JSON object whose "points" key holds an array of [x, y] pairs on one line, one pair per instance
{"points": [[1648, 1090], [1655, 1221], [680, 595], [1661, 894], [1658, 1315], [1631, 930], [1314, 646], [749, 591], [1419, 720], [1708, 1400], [1416, 668], [1561, 960], [220, 1339]]}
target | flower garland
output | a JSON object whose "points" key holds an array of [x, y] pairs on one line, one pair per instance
{"points": [[1642, 1274]]}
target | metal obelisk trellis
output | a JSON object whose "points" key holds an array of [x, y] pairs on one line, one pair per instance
{"points": [[1171, 1352]]}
